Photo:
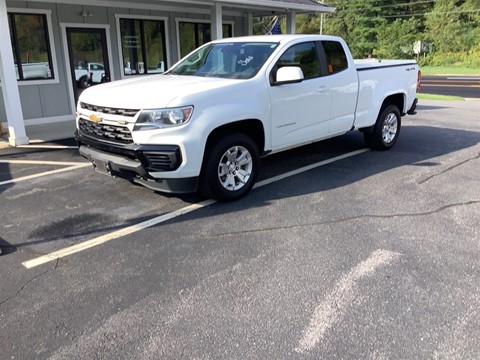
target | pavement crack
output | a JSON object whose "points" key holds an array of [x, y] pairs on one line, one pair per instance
{"points": [[346, 219], [449, 169], [28, 282]]}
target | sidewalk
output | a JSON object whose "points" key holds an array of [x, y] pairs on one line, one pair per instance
{"points": [[45, 132]]}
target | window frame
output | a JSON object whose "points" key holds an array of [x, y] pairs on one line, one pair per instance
{"points": [[118, 17], [50, 45], [198, 21]]}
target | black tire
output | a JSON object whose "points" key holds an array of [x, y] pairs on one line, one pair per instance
{"points": [[386, 130], [84, 82], [223, 177]]}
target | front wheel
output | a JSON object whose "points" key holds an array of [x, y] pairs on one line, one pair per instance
{"points": [[230, 168], [84, 82], [386, 130]]}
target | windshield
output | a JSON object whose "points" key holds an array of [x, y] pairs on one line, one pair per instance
{"points": [[235, 60]]}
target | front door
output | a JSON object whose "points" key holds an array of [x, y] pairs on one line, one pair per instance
{"points": [[87, 51], [300, 112]]}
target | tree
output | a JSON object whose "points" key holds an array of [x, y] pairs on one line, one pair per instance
{"points": [[449, 28], [396, 40], [357, 21]]}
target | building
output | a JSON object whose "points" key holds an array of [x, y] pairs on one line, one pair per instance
{"points": [[51, 50]]}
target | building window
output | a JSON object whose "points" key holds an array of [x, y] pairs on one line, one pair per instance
{"points": [[31, 46], [193, 35], [143, 46]]}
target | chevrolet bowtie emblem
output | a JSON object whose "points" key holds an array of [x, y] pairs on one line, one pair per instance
{"points": [[95, 118]]}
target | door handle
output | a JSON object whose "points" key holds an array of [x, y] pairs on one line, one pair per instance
{"points": [[321, 89]]}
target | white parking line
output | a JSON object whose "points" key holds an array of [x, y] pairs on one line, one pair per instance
{"points": [[334, 306], [160, 219], [31, 146], [114, 235], [29, 177], [41, 162], [309, 167]]}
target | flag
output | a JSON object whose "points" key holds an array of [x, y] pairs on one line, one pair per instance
{"points": [[275, 28]]}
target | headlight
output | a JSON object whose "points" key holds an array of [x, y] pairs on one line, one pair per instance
{"points": [[163, 118]]}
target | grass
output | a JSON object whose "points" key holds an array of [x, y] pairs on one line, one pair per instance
{"points": [[448, 70], [422, 96]]}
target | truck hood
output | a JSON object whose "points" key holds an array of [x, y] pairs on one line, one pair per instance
{"points": [[150, 92]]}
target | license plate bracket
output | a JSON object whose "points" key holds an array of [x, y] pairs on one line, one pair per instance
{"points": [[103, 167]]}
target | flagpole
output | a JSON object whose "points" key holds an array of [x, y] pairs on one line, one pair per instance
{"points": [[321, 20]]}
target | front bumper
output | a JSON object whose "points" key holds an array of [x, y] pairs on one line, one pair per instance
{"points": [[134, 162]]}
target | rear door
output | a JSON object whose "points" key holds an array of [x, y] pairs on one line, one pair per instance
{"points": [[342, 81]]}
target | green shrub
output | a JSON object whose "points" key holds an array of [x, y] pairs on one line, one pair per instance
{"points": [[470, 59]]}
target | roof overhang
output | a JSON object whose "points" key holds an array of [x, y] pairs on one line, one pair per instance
{"points": [[301, 6], [230, 7]]}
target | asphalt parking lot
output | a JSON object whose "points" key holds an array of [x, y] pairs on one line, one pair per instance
{"points": [[338, 253]]}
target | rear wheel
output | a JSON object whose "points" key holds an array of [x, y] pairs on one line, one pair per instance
{"points": [[230, 168], [386, 130]]}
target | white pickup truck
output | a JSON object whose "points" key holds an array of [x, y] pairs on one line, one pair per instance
{"points": [[91, 73], [204, 124]]}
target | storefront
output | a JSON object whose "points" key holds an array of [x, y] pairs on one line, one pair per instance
{"points": [[50, 51]]}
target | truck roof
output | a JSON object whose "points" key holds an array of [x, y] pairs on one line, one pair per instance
{"points": [[277, 38]]}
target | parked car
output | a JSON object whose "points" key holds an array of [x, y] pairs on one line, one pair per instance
{"points": [[37, 70], [204, 124], [88, 74]]}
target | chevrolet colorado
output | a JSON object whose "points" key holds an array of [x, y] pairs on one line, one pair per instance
{"points": [[204, 124]]}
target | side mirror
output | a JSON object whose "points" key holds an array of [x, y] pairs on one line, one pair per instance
{"points": [[289, 75]]}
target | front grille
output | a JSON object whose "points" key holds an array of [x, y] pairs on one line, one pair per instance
{"points": [[113, 133], [161, 161], [109, 110]]}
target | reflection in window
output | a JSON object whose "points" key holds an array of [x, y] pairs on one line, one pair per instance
{"points": [[31, 48], [143, 46], [194, 35], [235, 60], [305, 56]]}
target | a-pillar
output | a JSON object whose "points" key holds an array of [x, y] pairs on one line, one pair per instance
{"points": [[291, 22], [217, 24], [10, 93]]}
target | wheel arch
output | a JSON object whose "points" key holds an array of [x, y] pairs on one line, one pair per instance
{"points": [[250, 127], [395, 99], [247, 133]]}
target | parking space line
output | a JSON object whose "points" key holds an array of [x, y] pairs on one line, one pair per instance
{"points": [[34, 146], [157, 220], [345, 292], [29, 177], [41, 162], [114, 235], [309, 167]]}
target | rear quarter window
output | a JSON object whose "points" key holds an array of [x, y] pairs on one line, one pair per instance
{"points": [[335, 55]]}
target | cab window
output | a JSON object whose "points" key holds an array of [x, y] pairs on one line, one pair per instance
{"points": [[305, 56], [336, 58]]}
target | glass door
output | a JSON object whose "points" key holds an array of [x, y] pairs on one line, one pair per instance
{"points": [[87, 50]]}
